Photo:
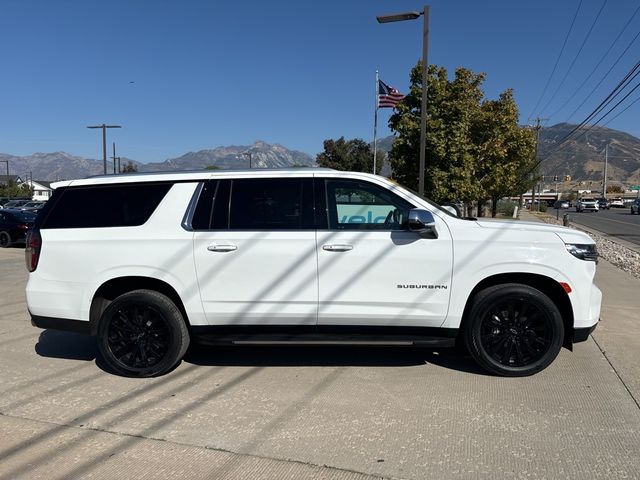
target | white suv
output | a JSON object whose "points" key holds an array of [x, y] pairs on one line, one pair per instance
{"points": [[587, 205], [150, 262]]}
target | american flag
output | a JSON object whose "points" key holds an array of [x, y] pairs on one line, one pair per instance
{"points": [[388, 96]]}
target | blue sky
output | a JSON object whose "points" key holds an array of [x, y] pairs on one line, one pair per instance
{"points": [[211, 73]]}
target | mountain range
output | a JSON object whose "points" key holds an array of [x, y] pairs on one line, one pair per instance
{"points": [[62, 165], [582, 158]]}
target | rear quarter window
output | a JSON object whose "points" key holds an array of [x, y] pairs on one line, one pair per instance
{"points": [[95, 206]]}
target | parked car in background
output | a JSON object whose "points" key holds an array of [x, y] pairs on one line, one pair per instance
{"points": [[617, 203], [30, 205], [14, 225], [587, 205], [635, 207], [34, 206], [15, 203], [561, 204], [604, 204]]}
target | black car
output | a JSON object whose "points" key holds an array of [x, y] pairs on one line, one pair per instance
{"points": [[603, 204], [14, 225]]}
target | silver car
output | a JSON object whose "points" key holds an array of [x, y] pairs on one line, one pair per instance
{"points": [[635, 207]]}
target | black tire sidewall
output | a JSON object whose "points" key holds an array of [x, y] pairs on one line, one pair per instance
{"points": [[3, 236], [179, 337], [484, 302]]}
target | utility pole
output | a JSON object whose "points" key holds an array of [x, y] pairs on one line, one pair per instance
{"points": [[114, 158], [104, 141], [537, 128], [604, 179], [248, 154]]}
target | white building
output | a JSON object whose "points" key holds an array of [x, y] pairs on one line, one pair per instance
{"points": [[42, 190]]}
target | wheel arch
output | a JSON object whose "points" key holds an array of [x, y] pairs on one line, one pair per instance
{"points": [[115, 287], [550, 287]]}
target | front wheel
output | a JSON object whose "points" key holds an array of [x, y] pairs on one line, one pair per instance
{"points": [[513, 330], [142, 334]]}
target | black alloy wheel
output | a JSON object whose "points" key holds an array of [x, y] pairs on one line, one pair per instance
{"points": [[142, 334], [5, 240], [514, 330]]}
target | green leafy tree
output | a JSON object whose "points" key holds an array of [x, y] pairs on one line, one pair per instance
{"points": [[348, 155], [212, 167], [13, 189], [475, 149], [129, 168], [504, 151]]}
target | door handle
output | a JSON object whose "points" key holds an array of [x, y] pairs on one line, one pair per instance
{"points": [[221, 248], [337, 248]]}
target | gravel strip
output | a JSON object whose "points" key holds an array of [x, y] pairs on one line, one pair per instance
{"points": [[619, 255]]}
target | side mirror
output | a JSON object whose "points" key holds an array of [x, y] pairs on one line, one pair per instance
{"points": [[422, 222]]}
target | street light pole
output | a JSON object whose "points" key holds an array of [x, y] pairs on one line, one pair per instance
{"points": [[423, 113], [104, 141], [400, 17]]}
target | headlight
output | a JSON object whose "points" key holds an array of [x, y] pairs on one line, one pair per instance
{"points": [[583, 251]]}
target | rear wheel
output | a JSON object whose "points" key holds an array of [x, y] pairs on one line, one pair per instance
{"points": [[513, 330], [5, 240], [142, 334]]}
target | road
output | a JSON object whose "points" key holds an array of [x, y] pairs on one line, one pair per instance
{"points": [[616, 222], [316, 413]]}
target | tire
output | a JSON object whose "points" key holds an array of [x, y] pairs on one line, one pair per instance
{"points": [[142, 334], [5, 240], [513, 330]]}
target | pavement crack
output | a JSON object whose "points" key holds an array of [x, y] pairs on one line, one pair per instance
{"points": [[205, 447], [604, 353]]}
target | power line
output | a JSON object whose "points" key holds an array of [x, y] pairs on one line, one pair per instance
{"points": [[573, 62], [615, 106], [609, 70], [555, 66], [629, 77], [621, 112], [575, 92]]}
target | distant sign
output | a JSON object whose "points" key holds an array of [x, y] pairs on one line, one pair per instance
{"points": [[635, 187]]}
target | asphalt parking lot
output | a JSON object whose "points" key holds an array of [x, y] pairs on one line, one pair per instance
{"points": [[337, 413]]}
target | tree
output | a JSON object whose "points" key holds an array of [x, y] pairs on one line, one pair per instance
{"points": [[212, 167], [504, 151], [614, 189], [475, 149], [130, 167], [13, 189], [348, 155]]}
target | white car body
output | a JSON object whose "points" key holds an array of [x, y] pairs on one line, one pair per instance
{"points": [[307, 277]]}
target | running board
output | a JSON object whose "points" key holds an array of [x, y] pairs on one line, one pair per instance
{"points": [[324, 340]]}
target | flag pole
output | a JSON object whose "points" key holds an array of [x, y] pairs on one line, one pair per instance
{"points": [[375, 126]]}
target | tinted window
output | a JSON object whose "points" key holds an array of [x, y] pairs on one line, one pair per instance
{"points": [[124, 205], [356, 205], [271, 204], [212, 210]]}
